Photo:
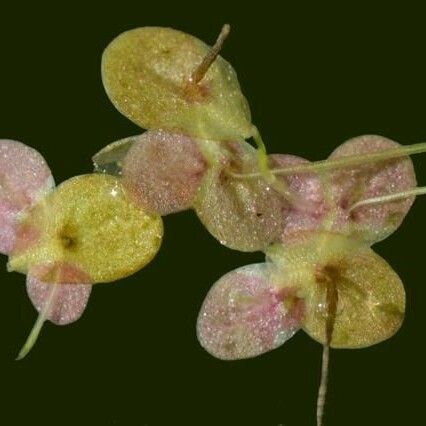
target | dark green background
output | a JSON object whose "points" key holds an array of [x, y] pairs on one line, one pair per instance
{"points": [[314, 77]]}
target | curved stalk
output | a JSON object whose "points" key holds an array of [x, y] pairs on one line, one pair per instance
{"points": [[35, 331]]}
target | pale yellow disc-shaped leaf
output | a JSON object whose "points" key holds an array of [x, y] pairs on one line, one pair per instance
{"points": [[370, 295], [370, 307], [89, 222], [146, 73]]}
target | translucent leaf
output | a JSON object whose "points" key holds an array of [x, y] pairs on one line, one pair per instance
{"points": [[353, 184], [109, 160], [163, 171], [243, 214], [24, 179], [90, 222], [245, 315], [146, 73]]}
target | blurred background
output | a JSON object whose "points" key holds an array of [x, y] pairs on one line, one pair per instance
{"points": [[314, 76]]}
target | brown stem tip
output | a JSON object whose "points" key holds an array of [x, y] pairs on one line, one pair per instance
{"points": [[201, 70], [331, 306]]}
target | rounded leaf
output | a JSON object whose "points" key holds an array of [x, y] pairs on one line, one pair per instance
{"points": [[245, 315], [353, 184], [163, 171], [243, 214], [69, 301], [370, 300], [24, 179], [306, 186], [369, 295], [146, 73], [90, 222]]}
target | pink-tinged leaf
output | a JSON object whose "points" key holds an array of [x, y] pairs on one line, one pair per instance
{"points": [[309, 189], [24, 179], [163, 171], [353, 184], [59, 291], [244, 315], [70, 299]]}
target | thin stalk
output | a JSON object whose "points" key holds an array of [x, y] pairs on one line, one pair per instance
{"points": [[390, 197], [336, 163], [262, 156], [277, 184], [201, 70], [322, 391], [331, 306], [35, 331]]}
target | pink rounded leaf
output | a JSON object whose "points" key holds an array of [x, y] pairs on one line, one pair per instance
{"points": [[24, 179], [244, 315], [67, 301], [306, 186], [163, 171], [353, 184]]}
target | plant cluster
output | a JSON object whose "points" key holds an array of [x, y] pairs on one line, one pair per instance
{"points": [[315, 222]]}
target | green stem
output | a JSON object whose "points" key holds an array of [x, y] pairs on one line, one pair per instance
{"points": [[336, 163], [262, 156], [266, 173], [35, 331], [390, 197]]}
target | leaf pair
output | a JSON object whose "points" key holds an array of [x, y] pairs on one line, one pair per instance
{"points": [[338, 192], [90, 222], [257, 308], [165, 79], [321, 274], [85, 231], [323, 250], [168, 172], [25, 181]]}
